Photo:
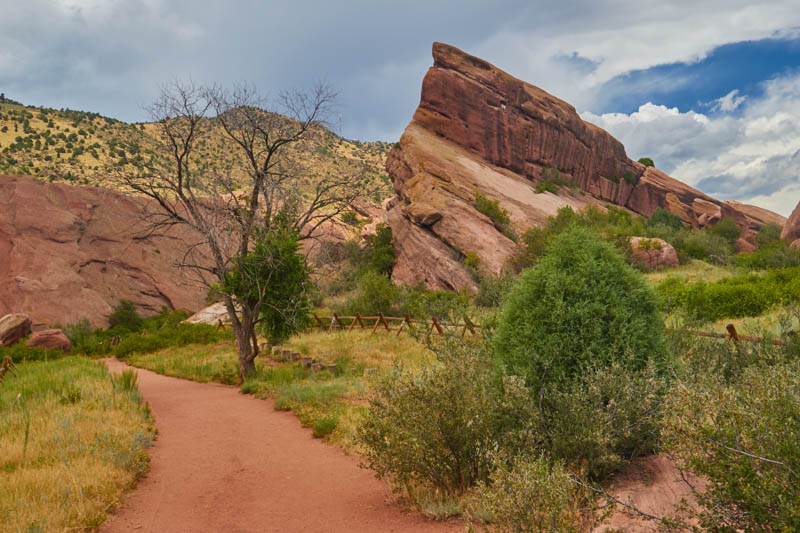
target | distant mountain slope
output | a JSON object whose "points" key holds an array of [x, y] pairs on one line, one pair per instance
{"points": [[480, 130], [87, 149]]}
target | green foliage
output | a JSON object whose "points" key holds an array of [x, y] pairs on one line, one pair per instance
{"points": [[551, 181], [421, 303], [531, 495], [472, 262], [727, 228], [768, 234], [705, 244], [170, 336], [127, 381], [774, 254], [492, 290], [19, 352], [380, 250], [492, 209], [737, 430], [324, 426], [350, 217], [630, 177], [646, 161], [735, 297], [666, 218], [124, 316], [435, 427], [580, 307], [375, 294], [274, 278]]}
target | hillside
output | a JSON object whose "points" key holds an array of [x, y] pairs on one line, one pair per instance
{"points": [[85, 148]]}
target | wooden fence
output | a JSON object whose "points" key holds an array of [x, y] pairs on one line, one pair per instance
{"points": [[390, 324]]}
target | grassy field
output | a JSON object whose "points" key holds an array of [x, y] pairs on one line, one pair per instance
{"points": [[72, 440], [329, 402]]}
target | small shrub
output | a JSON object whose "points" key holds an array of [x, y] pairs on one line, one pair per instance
{"points": [[771, 255], [434, 427], [443, 305], [741, 437], [534, 494], [704, 245], [492, 209], [375, 294], [127, 381], [381, 251], [667, 218], [125, 316], [646, 161], [726, 228], [324, 426], [350, 217], [768, 234]]}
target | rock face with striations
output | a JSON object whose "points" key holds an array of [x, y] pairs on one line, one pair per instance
{"points": [[791, 230], [479, 130], [14, 327], [68, 253]]}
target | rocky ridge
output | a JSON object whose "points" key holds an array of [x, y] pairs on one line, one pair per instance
{"points": [[479, 129]]}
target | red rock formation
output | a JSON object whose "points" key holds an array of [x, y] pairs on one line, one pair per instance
{"points": [[791, 230], [50, 339], [478, 129], [14, 327], [68, 253]]}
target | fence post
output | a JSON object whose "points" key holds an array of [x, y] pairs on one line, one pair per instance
{"points": [[435, 324]]}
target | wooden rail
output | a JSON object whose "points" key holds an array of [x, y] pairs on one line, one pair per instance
{"points": [[388, 323]]}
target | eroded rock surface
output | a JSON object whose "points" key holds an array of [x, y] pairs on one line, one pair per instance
{"points": [[479, 129], [13, 327], [68, 253], [791, 230]]}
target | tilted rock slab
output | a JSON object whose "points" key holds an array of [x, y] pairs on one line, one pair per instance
{"points": [[791, 230], [479, 129], [68, 253]]}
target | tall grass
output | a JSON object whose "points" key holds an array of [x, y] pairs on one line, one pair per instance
{"points": [[70, 444]]}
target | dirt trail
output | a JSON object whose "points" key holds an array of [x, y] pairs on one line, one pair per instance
{"points": [[226, 462]]}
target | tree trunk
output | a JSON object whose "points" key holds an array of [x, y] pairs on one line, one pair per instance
{"points": [[247, 356]]}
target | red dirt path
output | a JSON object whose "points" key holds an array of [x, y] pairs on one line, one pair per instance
{"points": [[227, 462]]}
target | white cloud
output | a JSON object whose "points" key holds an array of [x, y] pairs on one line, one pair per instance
{"points": [[729, 102], [753, 157]]}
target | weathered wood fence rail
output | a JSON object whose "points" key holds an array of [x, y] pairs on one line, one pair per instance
{"points": [[390, 324]]}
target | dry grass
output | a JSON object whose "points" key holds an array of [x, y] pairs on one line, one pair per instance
{"points": [[691, 272], [71, 442]]}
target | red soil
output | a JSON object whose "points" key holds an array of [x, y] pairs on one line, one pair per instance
{"points": [[226, 462]]}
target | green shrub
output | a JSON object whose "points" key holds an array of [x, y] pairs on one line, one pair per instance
{"points": [[646, 161], [532, 495], [771, 255], [324, 426], [375, 294], [630, 177], [544, 186], [125, 316], [20, 353], [741, 437], [727, 228], [768, 234], [435, 427], [492, 209], [705, 245], [421, 303], [667, 218], [580, 307], [381, 251]]}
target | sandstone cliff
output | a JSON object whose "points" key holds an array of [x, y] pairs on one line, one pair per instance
{"points": [[478, 129], [791, 231], [68, 253]]}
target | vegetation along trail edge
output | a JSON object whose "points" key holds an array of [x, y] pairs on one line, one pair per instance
{"points": [[229, 462]]}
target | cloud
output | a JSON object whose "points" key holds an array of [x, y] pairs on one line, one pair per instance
{"points": [[751, 157], [729, 102]]}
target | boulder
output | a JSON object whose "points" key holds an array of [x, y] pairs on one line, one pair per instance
{"points": [[50, 339], [14, 327], [653, 254], [212, 315], [791, 230], [480, 130]]}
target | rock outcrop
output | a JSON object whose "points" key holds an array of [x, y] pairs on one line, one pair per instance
{"points": [[211, 315], [791, 230], [653, 254], [68, 253], [50, 339], [478, 129], [14, 327]]}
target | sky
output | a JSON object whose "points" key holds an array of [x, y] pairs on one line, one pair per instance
{"points": [[710, 90]]}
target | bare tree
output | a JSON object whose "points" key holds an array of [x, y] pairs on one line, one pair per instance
{"points": [[239, 198]]}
